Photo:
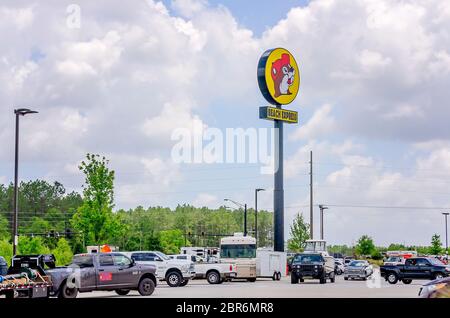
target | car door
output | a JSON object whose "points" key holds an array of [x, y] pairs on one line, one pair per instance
{"points": [[150, 258], [127, 275], [107, 272], [424, 268]]}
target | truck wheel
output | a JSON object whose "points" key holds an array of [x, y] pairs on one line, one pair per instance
{"points": [[323, 279], [294, 279], [174, 279], [184, 282], [122, 292], [392, 278], [278, 276], [302, 280], [67, 292], [146, 287], [213, 277], [407, 281], [252, 280]]}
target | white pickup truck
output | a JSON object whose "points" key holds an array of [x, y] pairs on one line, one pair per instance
{"points": [[176, 272], [215, 273]]}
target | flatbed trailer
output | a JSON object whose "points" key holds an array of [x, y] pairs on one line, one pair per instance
{"points": [[26, 277]]}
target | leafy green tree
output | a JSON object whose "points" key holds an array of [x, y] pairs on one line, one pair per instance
{"points": [[95, 217], [365, 246], [171, 241], [6, 250], [436, 245], [32, 245], [299, 234], [63, 252]]}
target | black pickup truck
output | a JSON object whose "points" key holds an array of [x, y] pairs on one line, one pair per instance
{"points": [[415, 268]]}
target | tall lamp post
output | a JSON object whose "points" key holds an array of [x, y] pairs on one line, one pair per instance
{"points": [[321, 207], [245, 212], [256, 213], [15, 237], [446, 232]]}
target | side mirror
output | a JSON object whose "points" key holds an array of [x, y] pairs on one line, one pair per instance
{"points": [[133, 263], [158, 259]]}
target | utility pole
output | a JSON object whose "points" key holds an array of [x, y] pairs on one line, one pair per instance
{"points": [[321, 207], [311, 213], [446, 232], [256, 214]]}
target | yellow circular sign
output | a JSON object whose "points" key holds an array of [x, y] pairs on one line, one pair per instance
{"points": [[278, 76]]}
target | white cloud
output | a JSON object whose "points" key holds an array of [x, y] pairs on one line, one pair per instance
{"points": [[318, 125], [206, 199]]}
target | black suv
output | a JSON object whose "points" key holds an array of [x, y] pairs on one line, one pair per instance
{"points": [[312, 265]]}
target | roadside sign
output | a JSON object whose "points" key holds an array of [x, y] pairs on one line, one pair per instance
{"points": [[275, 113], [278, 76]]}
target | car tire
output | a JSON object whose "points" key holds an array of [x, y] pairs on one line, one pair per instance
{"points": [[213, 277], [392, 278], [302, 280], [294, 279], [67, 292], [184, 282], [173, 279], [122, 292], [323, 279], [146, 287], [407, 281], [438, 276]]}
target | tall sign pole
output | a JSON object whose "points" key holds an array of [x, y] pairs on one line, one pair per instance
{"points": [[279, 82]]}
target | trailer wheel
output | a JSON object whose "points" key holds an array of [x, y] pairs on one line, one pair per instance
{"points": [[278, 276], [274, 276], [252, 280], [67, 292]]}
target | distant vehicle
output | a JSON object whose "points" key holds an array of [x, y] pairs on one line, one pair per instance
{"points": [[314, 262], [204, 252], [438, 288], [215, 273], [175, 272], [241, 251], [398, 257], [3, 266], [415, 268], [358, 269], [339, 267], [348, 260]]}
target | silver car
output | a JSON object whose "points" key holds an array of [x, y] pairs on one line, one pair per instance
{"points": [[358, 269]]}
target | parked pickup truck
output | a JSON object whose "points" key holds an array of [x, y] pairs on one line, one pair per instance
{"points": [[415, 268], [175, 272], [215, 273]]}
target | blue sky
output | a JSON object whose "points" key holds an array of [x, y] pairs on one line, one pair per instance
{"points": [[373, 78]]}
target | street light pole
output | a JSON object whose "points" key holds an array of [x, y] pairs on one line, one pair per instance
{"points": [[15, 236], [446, 232], [256, 213], [321, 207]]}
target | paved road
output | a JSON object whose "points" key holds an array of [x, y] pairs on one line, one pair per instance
{"points": [[283, 288]]}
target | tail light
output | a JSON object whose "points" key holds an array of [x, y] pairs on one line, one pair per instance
{"points": [[231, 268]]}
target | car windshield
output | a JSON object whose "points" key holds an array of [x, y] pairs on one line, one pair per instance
{"points": [[238, 251], [394, 259], [306, 258], [163, 256], [357, 263]]}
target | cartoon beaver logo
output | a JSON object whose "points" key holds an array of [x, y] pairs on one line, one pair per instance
{"points": [[283, 75]]}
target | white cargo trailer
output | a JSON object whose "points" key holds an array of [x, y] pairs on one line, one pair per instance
{"points": [[270, 264]]}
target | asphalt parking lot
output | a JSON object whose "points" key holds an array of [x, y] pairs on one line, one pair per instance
{"points": [[265, 288]]}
